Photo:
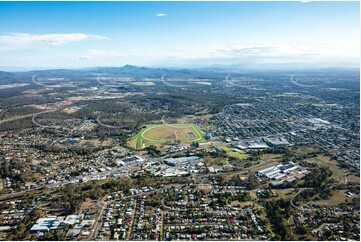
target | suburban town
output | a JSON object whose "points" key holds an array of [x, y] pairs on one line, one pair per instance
{"points": [[189, 121], [243, 171]]}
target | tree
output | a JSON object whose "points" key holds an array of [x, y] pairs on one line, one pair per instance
{"points": [[21, 227], [253, 181], [153, 151]]}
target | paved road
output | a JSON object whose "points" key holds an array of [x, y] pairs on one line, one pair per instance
{"points": [[172, 85], [301, 85], [291, 201], [97, 221], [17, 117], [130, 231], [107, 125], [42, 125]]}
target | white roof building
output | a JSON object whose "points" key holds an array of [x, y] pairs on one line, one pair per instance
{"points": [[47, 224], [73, 219]]}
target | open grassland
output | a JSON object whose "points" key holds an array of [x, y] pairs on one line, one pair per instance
{"points": [[353, 179], [232, 152], [162, 133], [304, 150], [216, 161], [203, 83], [324, 104], [338, 197], [284, 193], [263, 165], [271, 157], [337, 173], [70, 110], [143, 83], [96, 142]]}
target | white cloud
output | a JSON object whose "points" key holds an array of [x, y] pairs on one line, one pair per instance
{"points": [[23, 40], [97, 55], [160, 15], [298, 51]]}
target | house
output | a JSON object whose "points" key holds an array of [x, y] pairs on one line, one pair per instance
{"points": [[4, 228]]}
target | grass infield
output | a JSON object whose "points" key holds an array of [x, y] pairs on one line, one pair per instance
{"points": [[162, 133]]}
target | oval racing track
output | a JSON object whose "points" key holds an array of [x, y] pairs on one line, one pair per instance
{"points": [[173, 126]]}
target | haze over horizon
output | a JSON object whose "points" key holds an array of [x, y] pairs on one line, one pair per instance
{"points": [[178, 34]]}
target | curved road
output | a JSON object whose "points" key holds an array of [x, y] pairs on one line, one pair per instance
{"points": [[107, 125], [172, 85], [301, 85]]}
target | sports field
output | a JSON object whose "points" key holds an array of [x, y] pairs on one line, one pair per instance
{"points": [[162, 133]]}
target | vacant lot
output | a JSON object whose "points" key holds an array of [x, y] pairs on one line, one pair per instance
{"points": [[233, 152], [338, 197], [95, 142]]}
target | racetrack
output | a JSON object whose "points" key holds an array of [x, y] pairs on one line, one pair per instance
{"points": [[162, 133]]}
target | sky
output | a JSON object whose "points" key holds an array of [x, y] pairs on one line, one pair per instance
{"points": [[178, 34]]}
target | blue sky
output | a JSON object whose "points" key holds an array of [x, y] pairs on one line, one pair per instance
{"points": [[85, 34]]}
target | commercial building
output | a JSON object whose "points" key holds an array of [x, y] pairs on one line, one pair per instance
{"points": [[73, 219], [47, 224], [279, 141], [256, 144], [181, 160], [277, 172]]}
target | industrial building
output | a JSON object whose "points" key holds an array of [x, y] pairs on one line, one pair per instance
{"points": [[277, 172], [279, 141], [181, 160]]}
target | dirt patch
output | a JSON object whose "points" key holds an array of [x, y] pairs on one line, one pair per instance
{"points": [[96, 142]]}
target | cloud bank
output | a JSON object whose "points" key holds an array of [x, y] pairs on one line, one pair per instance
{"points": [[24, 40]]}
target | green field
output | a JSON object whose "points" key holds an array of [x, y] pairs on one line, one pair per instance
{"points": [[162, 133], [233, 152]]}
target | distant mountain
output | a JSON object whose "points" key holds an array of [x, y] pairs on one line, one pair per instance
{"points": [[206, 71], [126, 70], [4, 74]]}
